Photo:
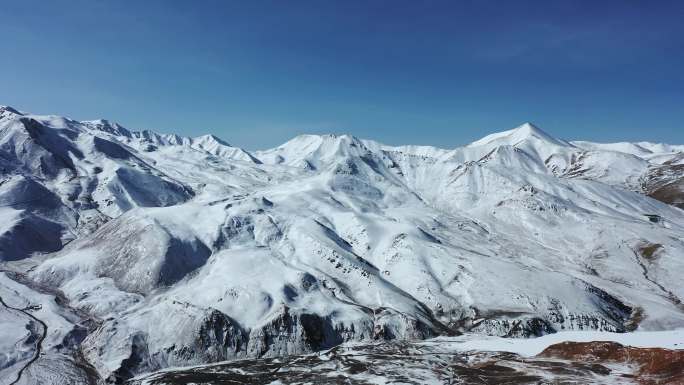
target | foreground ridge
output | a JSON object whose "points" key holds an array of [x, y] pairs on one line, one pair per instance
{"points": [[431, 362]]}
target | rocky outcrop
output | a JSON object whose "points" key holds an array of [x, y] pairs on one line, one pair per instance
{"points": [[292, 333], [653, 365]]}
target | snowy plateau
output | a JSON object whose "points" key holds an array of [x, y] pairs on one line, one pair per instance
{"points": [[145, 258]]}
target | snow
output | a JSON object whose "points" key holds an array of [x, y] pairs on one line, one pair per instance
{"points": [[19, 334], [463, 359], [169, 239], [524, 132], [16, 350], [529, 347], [19, 296]]}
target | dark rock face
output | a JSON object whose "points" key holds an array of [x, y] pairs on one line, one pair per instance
{"points": [[614, 310], [129, 365], [291, 333], [520, 327], [216, 337], [614, 316], [296, 333], [221, 332]]}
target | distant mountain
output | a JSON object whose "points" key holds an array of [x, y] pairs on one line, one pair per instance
{"points": [[169, 251]]}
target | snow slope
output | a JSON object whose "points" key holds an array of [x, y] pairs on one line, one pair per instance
{"points": [[189, 250]]}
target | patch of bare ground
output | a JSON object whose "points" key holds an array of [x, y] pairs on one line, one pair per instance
{"points": [[666, 184], [634, 319], [649, 251], [653, 365]]}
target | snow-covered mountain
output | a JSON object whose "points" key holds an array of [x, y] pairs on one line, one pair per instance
{"points": [[174, 251]]}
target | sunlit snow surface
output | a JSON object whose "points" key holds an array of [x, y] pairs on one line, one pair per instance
{"points": [[182, 251], [668, 339]]}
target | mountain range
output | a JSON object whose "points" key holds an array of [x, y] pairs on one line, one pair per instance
{"points": [[126, 252]]}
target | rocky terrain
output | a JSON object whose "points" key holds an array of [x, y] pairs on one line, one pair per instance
{"points": [[445, 362], [127, 252]]}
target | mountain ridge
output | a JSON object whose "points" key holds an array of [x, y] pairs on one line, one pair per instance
{"points": [[525, 131], [187, 251]]}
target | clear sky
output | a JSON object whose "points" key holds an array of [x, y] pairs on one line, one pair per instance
{"points": [[444, 73]]}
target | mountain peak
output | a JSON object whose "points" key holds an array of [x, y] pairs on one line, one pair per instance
{"points": [[219, 147], [105, 125], [529, 127], [525, 132], [529, 130], [210, 138], [314, 149], [8, 111]]}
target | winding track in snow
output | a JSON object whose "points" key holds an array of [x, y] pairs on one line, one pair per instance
{"points": [[90, 374], [39, 343], [668, 293]]}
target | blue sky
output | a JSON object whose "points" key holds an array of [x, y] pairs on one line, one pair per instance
{"points": [[444, 73]]}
